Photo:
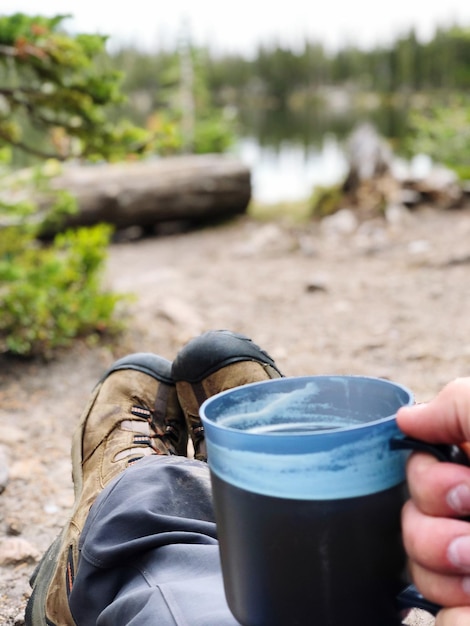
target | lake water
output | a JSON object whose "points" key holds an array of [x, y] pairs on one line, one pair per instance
{"points": [[290, 152], [291, 171]]}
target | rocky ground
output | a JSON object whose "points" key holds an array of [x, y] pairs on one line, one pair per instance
{"points": [[385, 298]]}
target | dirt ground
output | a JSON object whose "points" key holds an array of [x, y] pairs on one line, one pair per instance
{"points": [[388, 298]]}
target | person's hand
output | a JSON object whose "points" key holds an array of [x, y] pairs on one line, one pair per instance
{"points": [[436, 537]]}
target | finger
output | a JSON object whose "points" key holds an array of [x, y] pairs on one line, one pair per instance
{"points": [[430, 541], [438, 489], [458, 616], [446, 419], [441, 589]]}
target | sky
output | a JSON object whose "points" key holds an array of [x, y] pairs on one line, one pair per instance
{"points": [[239, 26]]}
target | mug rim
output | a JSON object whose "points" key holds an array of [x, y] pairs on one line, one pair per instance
{"points": [[213, 423]]}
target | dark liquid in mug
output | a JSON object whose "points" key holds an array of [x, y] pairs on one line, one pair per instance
{"points": [[300, 563]]}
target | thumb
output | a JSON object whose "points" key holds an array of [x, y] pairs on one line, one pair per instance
{"points": [[458, 616], [445, 419]]}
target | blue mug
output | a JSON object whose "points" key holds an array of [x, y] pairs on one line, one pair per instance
{"points": [[308, 492]]}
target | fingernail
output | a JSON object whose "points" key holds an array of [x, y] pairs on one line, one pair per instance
{"points": [[458, 553], [419, 406], [466, 584], [458, 498]]}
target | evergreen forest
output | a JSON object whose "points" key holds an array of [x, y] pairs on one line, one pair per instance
{"points": [[415, 92]]}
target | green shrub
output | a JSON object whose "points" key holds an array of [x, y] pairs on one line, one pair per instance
{"points": [[443, 133], [325, 201], [50, 294]]}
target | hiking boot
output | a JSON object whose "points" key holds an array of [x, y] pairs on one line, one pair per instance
{"points": [[119, 426], [211, 363]]}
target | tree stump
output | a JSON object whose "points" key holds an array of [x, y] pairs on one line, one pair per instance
{"points": [[145, 193], [370, 184]]}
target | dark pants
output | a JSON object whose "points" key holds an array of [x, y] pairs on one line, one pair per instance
{"points": [[149, 550]]}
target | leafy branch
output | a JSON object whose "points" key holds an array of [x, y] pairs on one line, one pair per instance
{"points": [[54, 81]]}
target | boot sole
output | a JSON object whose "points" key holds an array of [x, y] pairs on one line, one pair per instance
{"points": [[35, 609], [216, 349]]}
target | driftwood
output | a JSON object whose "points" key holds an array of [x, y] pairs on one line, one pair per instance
{"points": [[370, 183], [440, 188], [189, 188]]}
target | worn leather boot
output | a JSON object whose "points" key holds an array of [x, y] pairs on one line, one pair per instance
{"points": [[213, 362], [125, 420]]}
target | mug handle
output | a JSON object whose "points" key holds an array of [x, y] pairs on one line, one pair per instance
{"points": [[442, 451], [410, 598]]}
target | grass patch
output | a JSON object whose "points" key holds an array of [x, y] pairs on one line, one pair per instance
{"points": [[297, 212]]}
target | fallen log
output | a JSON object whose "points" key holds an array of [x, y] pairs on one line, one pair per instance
{"points": [[190, 188]]}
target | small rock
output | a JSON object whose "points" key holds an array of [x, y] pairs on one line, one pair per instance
{"points": [[342, 306], [419, 246], [410, 197], [397, 215], [24, 468], [371, 236], [51, 508], [314, 287], [268, 239], [317, 283], [180, 314], [14, 550], [11, 434], [19, 620], [13, 527], [307, 246], [344, 222]]}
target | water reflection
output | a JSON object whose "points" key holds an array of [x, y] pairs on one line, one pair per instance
{"points": [[292, 152], [291, 171]]}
